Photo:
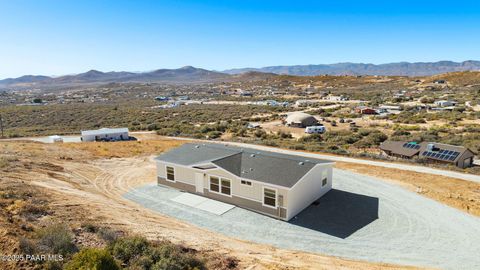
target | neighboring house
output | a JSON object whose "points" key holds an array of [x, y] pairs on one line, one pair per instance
{"points": [[365, 110], [336, 98], [445, 103], [106, 134], [273, 184], [162, 98], [458, 155], [300, 119], [389, 109]]}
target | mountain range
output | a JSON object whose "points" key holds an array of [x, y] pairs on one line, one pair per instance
{"points": [[390, 69], [186, 74], [189, 74]]}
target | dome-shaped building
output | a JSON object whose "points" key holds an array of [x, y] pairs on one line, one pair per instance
{"points": [[300, 119]]}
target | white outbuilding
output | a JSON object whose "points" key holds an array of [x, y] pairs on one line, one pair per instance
{"points": [[105, 134], [55, 139]]}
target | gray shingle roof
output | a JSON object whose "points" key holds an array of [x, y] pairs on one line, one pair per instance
{"points": [[269, 167]]}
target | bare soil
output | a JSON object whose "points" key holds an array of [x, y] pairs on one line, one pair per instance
{"points": [[83, 183]]}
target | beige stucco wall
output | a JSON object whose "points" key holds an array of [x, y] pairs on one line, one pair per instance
{"points": [[309, 189], [184, 175]]}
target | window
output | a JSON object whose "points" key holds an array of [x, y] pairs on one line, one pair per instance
{"points": [[214, 184], [170, 173], [269, 197], [324, 182], [247, 183], [226, 187]]}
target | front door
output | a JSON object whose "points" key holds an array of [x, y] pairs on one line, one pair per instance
{"points": [[199, 182]]}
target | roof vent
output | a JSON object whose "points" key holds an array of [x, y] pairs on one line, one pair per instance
{"points": [[252, 155], [301, 163], [197, 146], [251, 169]]}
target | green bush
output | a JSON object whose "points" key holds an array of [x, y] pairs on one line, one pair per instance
{"points": [[129, 248], [56, 238], [92, 259]]}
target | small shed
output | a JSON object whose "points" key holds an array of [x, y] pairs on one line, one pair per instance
{"points": [[55, 139]]}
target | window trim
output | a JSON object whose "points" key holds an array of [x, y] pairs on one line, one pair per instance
{"points": [[210, 183], [220, 185], [174, 174], [263, 197], [230, 186]]}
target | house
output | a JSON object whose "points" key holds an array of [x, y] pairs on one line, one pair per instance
{"points": [[445, 103], [274, 184], [365, 110], [336, 98], [105, 134], [436, 152], [162, 98], [300, 119]]}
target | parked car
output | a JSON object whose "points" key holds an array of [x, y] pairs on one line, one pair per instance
{"points": [[315, 130]]}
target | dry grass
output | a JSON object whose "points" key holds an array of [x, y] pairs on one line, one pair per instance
{"points": [[123, 149], [461, 194]]}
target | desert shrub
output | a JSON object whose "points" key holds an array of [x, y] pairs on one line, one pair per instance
{"points": [[311, 138], [284, 135], [260, 133], [171, 257], [108, 235], [92, 259], [137, 253], [56, 238], [401, 133], [214, 134], [27, 246], [129, 248], [297, 147], [89, 227], [271, 143]]}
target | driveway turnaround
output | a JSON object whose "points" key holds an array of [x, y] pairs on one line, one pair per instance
{"points": [[360, 218]]}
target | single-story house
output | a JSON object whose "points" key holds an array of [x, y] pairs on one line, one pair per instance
{"points": [[274, 184], [460, 156], [107, 134], [445, 103], [365, 110]]}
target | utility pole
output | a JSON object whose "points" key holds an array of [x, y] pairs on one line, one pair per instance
{"points": [[1, 124]]}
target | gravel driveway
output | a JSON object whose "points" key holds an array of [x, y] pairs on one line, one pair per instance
{"points": [[361, 218]]}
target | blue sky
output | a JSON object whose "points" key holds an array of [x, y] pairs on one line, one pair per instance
{"points": [[55, 37]]}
